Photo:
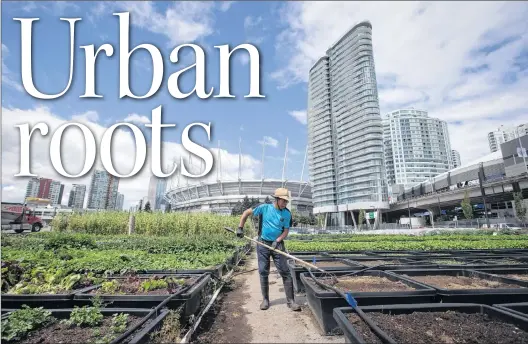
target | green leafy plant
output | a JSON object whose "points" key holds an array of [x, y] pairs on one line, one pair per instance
{"points": [[90, 316], [153, 284], [119, 322], [361, 218], [19, 323], [110, 287]]}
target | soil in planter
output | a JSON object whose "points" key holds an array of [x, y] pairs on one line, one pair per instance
{"points": [[136, 286], [443, 327], [378, 262], [368, 284], [62, 333], [461, 282], [518, 277]]}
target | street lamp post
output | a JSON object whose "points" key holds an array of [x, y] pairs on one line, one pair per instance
{"points": [[409, 210]]}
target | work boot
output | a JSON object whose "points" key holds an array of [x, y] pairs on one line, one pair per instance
{"points": [[264, 286], [290, 298]]}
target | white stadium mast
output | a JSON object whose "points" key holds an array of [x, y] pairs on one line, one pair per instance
{"points": [[284, 164]]}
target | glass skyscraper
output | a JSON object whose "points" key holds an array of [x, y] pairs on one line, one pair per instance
{"points": [[345, 136]]}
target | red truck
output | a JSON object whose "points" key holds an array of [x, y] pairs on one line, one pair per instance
{"points": [[19, 217]]}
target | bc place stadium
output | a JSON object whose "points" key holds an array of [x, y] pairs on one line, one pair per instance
{"points": [[221, 196]]}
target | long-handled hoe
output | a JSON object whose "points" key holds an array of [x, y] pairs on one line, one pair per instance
{"points": [[327, 275]]}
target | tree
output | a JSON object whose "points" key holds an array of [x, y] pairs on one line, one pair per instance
{"points": [[140, 207], [246, 203], [361, 218], [147, 207], [168, 208], [237, 209], [467, 208], [520, 208]]}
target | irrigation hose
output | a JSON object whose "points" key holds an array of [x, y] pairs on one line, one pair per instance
{"points": [[383, 336]]}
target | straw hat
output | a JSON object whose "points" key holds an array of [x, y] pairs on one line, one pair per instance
{"points": [[282, 193]]}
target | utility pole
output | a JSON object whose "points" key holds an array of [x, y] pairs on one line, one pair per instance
{"points": [[302, 171], [409, 210], [483, 192]]}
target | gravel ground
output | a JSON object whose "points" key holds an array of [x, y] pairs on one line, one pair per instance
{"points": [[238, 317]]}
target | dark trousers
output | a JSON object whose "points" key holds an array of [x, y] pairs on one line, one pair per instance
{"points": [[280, 261]]}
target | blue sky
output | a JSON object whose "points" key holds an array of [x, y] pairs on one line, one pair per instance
{"points": [[466, 63]]}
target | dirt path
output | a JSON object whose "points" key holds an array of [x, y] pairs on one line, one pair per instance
{"points": [[238, 319]]}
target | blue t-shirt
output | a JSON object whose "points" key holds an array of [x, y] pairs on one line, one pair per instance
{"points": [[273, 220]]}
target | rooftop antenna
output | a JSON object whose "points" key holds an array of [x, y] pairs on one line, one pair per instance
{"points": [[263, 152], [284, 164], [302, 171]]}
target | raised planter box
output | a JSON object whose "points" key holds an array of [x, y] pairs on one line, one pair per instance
{"points": [[143, 317], [145, 334], [466, 262], [297, 270], [520, 309], [48, 301], [189, 295], [217, 271], [361, 333], [386, 263], [483, 292], [322, 301], [518, 274]]}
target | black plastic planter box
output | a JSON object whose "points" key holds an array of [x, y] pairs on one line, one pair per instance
{"points": [[190, 295], [352, 335], [322, 301], [502, 272], [465, 263], [143, 335], [217, 271], [401, 263], [520, 309], [481, 296], [147, 318], [50, 301], [296, 270]]}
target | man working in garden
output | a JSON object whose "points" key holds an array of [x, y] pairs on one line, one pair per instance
{"points": [[274, 224]]}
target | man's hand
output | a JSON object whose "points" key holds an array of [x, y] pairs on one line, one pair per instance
{"points": [[275, 244], [240, 232]]}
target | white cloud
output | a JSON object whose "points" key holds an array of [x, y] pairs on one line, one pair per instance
{"points": [[73, 154], [182, 22], [293, 151], [89, 116], [226, 5], [269, 141], [300, 116], [7, 74], [455, 59], [250, 21], [135, 118]]}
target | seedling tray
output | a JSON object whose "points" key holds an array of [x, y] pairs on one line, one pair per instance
{"points": [[353, 333], [520, 309], [49, 301], [296, 270], [516, 291], [322, 301], [190, 295], [64, 313]]}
